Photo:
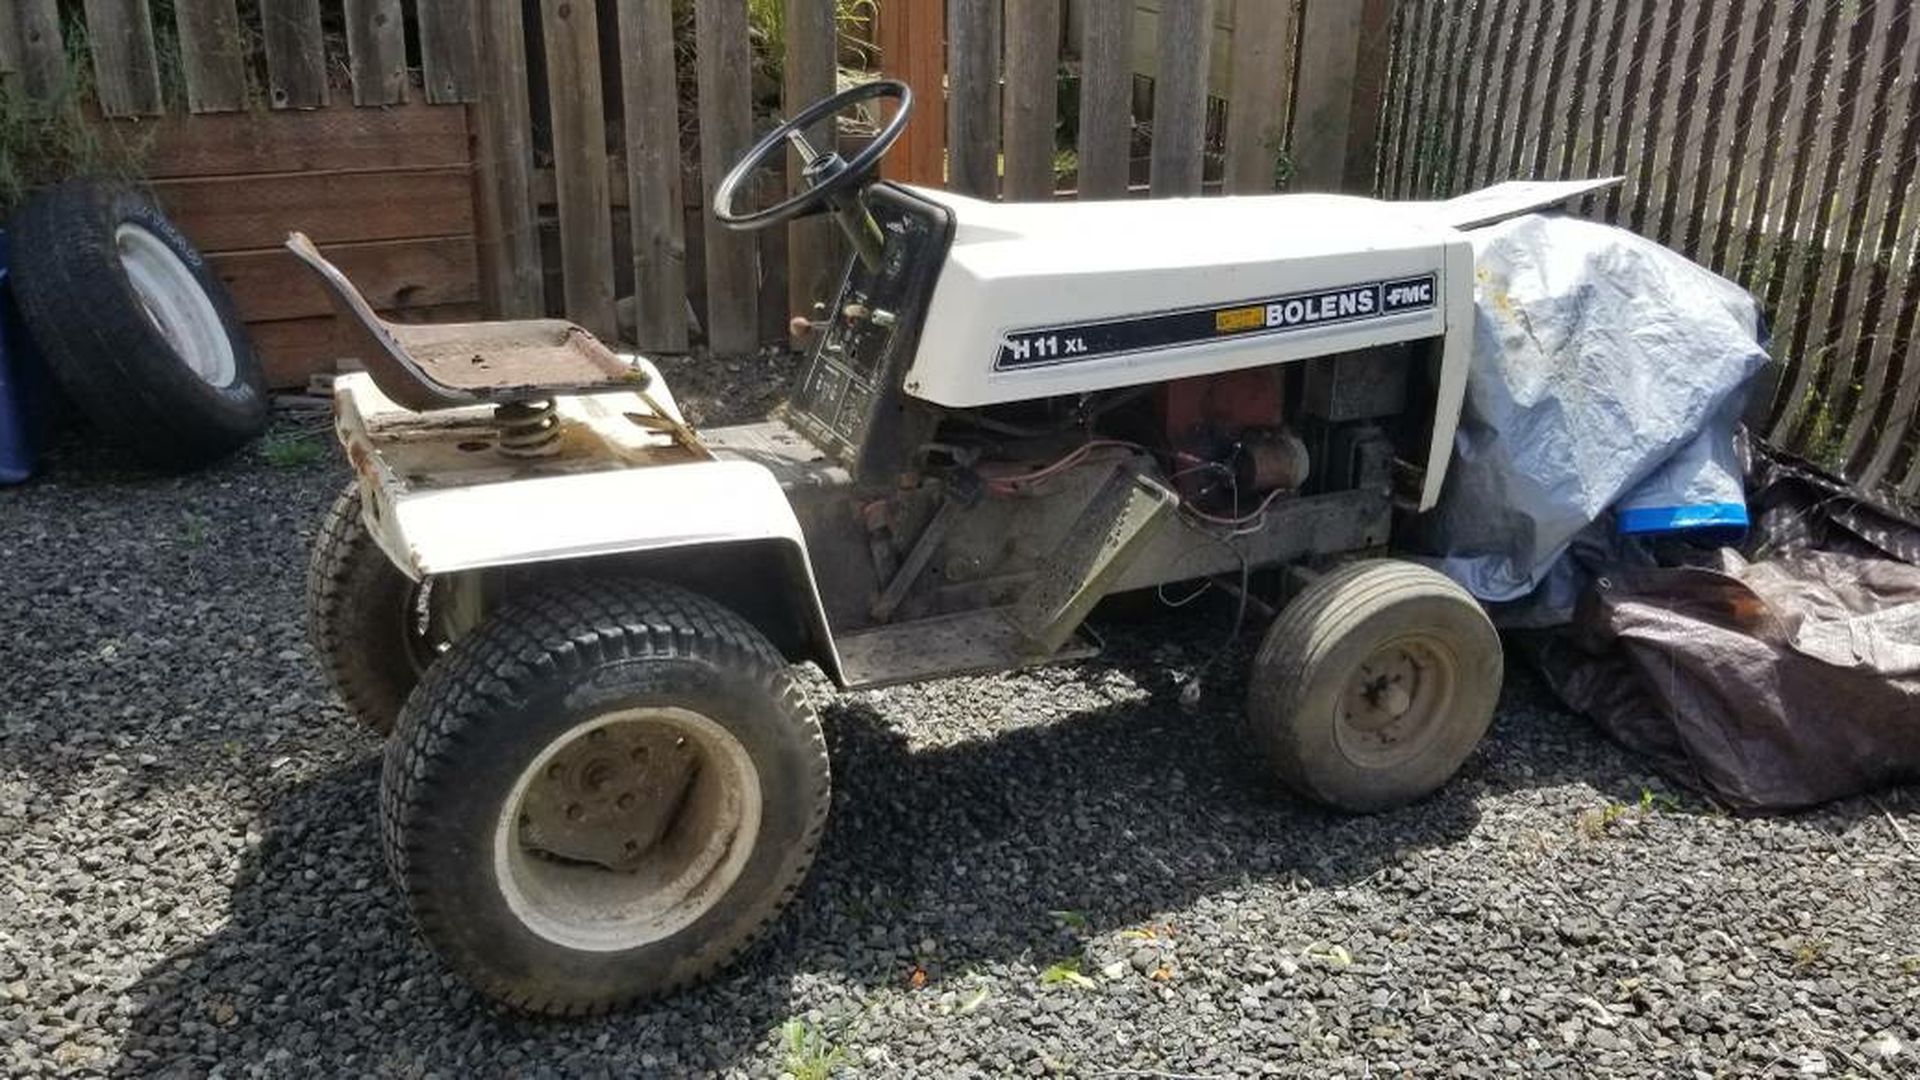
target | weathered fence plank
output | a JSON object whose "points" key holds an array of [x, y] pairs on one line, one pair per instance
{"points": [[9, 45], [230, 213], [808, 75], [1180, 98], [446, 50], [322, 140], [1369, 91], [973, 76], [570, 29], [1031, 97], [1851, 183], [658, 228], [1893, 318], [1535, 59], [42, 49], [1777, 142], [269, 283], [726, 131], [1413, 51], [912, 39], [1796, 259], [212, 55], [296, 53], [507, 241], [1727, 99], [126, 72], [1256, 110], [1329, 49], [377, 50], [1106, 98], [1700, 140]]}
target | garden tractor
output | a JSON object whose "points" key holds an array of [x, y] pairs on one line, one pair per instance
{"points": [[576, 615]]}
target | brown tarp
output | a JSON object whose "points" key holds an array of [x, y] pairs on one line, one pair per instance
{"points": [[1783, 675]]}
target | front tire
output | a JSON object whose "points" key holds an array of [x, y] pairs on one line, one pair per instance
{"points": [[604, 793], [1374, 685]]}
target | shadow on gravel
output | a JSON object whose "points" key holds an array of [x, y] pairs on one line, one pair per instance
{"points": [[1115, 815]]}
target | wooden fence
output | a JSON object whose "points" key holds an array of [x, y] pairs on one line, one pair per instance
{"points": [[1772, 140], [523, 157]]}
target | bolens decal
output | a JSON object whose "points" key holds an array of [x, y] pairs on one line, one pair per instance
{"points": [[1249, 318]]}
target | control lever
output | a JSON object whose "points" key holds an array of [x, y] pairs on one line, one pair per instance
{"points": [[800, 326]]}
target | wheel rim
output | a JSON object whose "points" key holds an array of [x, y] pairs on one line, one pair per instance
{"points": [[1395, 701], [416, 616], [627, 828], [176, 304]]}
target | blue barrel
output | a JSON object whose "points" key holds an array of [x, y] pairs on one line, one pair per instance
{"points": [[18, 425]]}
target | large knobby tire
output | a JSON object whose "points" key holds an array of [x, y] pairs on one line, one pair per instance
{"points": [[134, 326], [1374, 685], [604, 793], [363, 617]]}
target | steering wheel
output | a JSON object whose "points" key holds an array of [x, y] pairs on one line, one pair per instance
{"points": [[827, 175]]}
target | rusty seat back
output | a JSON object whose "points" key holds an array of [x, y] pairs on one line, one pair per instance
{"points": [[443, 365]]}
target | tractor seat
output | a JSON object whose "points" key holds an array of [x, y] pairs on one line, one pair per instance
{"points": [[445, 365]]}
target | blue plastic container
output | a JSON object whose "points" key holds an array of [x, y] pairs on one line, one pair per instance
{"points": [[18, 371]]}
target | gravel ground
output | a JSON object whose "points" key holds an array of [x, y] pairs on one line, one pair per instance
{"points": [[1063, 872]]}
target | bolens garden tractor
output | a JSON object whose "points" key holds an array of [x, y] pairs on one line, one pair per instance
{"points": [[576, 615]]}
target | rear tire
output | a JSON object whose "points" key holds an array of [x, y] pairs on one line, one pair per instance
{"points": [[604, 793], [361, 617], [134, 325], [1374, 685]]}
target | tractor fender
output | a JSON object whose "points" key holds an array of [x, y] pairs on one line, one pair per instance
{"points": [[720, 527]]}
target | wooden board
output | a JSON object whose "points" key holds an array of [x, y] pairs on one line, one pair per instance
{"points": [[1369, 87], [1329, 49], [973, 74], [126, 71], [1180, 98], [377, 50], [570, 28], [809, 75], [1145, 56], [508, 242], [1262, 76], [447, 48], [212, 58], [9, 45], [912, 38], [293, 350], [296, 53], [227, 213], [1106, 98], [1031, 98], [42, 49], [343, 138], [271, 284], [726, 131], [657, 224]]}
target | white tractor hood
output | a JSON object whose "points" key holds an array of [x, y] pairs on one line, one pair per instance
{"points": [[1041, 299]]}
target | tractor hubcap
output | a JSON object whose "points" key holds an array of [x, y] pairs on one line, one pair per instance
{"points": [[1394, 701], [627, 828]]}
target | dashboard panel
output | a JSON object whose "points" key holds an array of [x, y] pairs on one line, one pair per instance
{"points": [[849, 400]]}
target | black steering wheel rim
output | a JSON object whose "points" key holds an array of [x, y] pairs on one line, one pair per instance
{"points": [[834, 181]]}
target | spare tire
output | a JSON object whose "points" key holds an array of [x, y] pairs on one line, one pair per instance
{"points": [[134, 326]]}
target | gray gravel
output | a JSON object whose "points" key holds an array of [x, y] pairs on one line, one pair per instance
{"points": [[1063, 872]]}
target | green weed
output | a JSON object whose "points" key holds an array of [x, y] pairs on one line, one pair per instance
{"points": [[808, 1055], [290, 451]]}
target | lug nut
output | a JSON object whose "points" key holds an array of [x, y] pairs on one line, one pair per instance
{"points": [[575, 812]]}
